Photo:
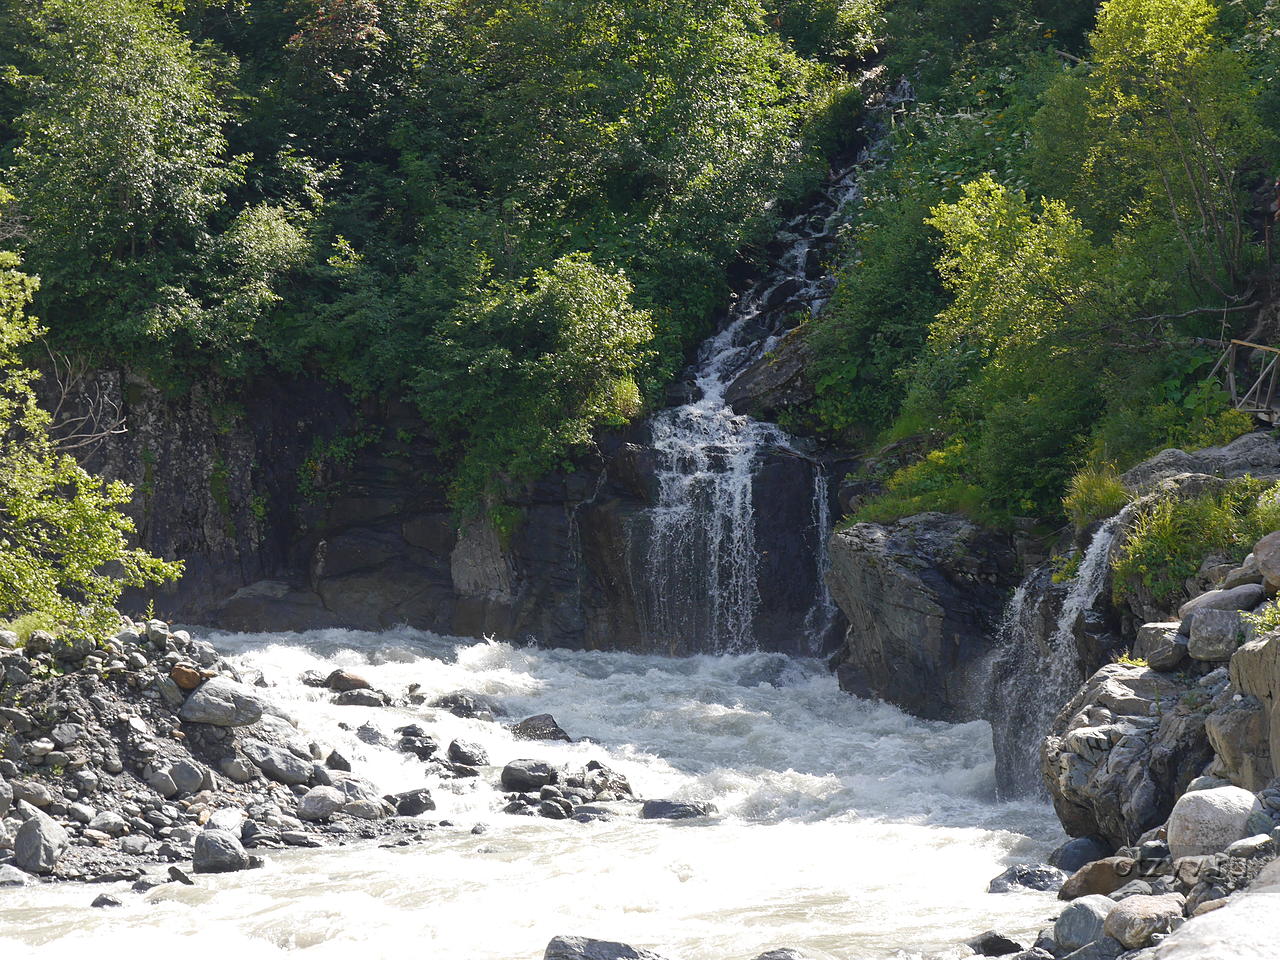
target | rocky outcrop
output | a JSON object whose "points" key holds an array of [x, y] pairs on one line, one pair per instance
{"points": [[1245, 728], [923, 598], [1254, 454], [777, 381], [1125, 748]]}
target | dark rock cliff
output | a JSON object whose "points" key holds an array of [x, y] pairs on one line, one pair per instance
{"points": [[293, 509], [923, 598]]}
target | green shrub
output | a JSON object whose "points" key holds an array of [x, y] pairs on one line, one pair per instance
{"points": [[1266, 619], [940, 481], [1094, 493], [1171, 537], [28, 624]]}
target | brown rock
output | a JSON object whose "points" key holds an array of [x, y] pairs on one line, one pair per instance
{"points": [[342, 681], [186, 676], [1103, 876], [1135, 920]]}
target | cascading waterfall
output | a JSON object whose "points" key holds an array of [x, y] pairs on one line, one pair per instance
{"points": [[1038, 670], [701, 571]]}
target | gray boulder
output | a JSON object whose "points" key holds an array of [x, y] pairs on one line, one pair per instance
{"points": [[1209, 821], [1104, 948], [540, 727], [412, 803], [13, 877], [218, 851], [1161, 645], [40, 843], [6, 796], [584, 948], [110, 823], [222, 702], [523, 776], [1135, 920], [465, 751], [1078, 851], [1027, 876], [992, 944], [279, 764], [1082, 921], [1244, 597], [320, 803], [1214, 634], [1266, 555], [675, 810]]}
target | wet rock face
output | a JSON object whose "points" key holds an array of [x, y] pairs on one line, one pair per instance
{"points": [[922, 597]]}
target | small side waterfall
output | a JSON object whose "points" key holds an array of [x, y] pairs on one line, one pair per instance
{"points": [[700, 586], [1038, 667]]}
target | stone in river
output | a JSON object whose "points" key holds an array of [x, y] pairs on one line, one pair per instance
{"points": [[675, 810]]}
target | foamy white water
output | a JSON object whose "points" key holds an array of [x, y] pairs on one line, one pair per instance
{"points": [[847, 829]]}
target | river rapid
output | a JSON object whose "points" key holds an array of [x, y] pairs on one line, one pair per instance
{"points": [[846, 829]]}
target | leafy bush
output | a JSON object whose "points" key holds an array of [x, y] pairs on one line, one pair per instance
{"points": [[1171, 537], [64, 554], [1094, 493]]}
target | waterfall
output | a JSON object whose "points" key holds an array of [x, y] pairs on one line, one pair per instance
{"points": [[1038, 668], [700, 582]]}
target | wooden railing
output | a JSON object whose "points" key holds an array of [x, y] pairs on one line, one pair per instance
{"points": [[1260, 397]]}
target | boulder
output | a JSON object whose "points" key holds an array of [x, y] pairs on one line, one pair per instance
{"points": [[1237, 729], [110, 823], [923, 597], [343, 680], [1078, 851], [1135, 920], [1099, 877], [1104, 948], [1214, 634], [412, 803], [1161, 645], [278, 763], [1255, 673], [466, 705], [6, 796], [1082, 921], [13, 877], [992, 944], [524, 776], [675, 809], [40, 842], [465, 751], [362, 698], [320, 803], [584, 948], [1266, 554], [186, 676], [1024, 876], [1244, 597], [1209, 821], [222, 702], [540, 727], [218, 851], [1254, 454]]}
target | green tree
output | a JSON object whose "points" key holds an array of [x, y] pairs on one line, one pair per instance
{"points": [[523, 372], [64, 548]]}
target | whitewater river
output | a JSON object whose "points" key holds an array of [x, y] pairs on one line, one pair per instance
{"points": [[846, 828]]}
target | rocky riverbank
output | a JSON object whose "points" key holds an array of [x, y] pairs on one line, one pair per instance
{"points": [[148, 757]]}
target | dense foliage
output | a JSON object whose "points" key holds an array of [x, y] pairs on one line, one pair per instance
{"points": [[1065, 215], [516, 215]]}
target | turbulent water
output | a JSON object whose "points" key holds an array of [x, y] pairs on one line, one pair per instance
{"points": [[846, 828]]}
